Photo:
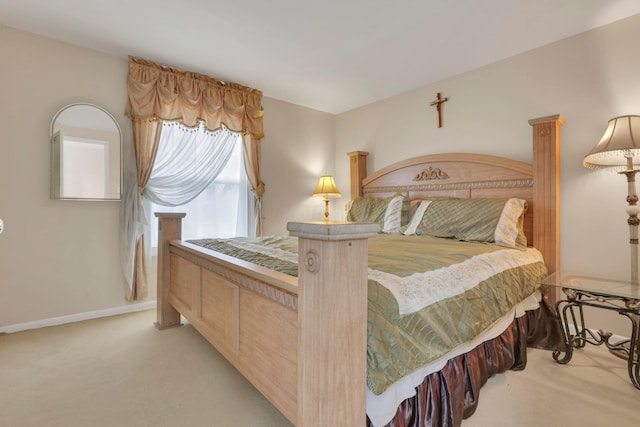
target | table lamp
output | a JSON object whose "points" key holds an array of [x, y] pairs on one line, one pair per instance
{"points": [[618, 147], [326, 188]]}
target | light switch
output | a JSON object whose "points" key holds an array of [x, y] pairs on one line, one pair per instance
{"points": [[1, 226]]}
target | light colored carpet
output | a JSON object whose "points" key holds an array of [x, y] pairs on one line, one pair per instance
{"points": [[593, 389], [122, 372]]}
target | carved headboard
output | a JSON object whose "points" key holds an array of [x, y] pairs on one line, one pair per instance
{"points": [[465, 176]]}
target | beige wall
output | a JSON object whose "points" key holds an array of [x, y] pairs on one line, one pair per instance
{"points": [[588, 79], [61, 258], [56, 257], [297, 148]]}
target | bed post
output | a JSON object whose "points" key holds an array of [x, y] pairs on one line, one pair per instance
{"points": [[546, 192], [332, 322], [169, 228], [358, 162]]}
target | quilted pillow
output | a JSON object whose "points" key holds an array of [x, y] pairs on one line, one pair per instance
{"points": [[497, 221], [390, 213]]}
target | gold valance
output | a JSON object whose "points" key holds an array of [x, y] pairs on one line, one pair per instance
{"points": [[156, 91]]}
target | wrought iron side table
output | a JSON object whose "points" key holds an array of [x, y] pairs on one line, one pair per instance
{"points": [[583, 290]]}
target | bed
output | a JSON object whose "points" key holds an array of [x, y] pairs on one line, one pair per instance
{"points": [[300, 337]]}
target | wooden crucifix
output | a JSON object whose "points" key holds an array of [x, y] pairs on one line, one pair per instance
{"points": [[438, 103]]}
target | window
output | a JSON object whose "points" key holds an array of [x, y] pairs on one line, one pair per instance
{"points": [[224, 209]]}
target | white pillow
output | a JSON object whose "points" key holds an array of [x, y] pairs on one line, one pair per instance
{"points": [[417, 218], [393, 215], [507, 229]]}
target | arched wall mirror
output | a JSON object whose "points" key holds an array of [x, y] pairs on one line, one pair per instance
{"points": [[86, 154]]}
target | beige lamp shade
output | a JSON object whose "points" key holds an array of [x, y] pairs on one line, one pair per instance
{"points": [[620, 142], [327, 188]]}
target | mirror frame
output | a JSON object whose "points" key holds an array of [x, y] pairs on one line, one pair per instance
{"points": [[56, 167]]}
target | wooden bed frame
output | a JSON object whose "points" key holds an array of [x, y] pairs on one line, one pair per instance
{"points": [[297, 340]]}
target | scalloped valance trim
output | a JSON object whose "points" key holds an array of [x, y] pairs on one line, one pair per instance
{"points": [[161, 92]]}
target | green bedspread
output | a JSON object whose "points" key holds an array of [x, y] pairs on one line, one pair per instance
{"points": [[427, 295]]}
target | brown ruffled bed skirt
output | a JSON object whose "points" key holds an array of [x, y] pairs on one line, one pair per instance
{"points": [[450, 395]]}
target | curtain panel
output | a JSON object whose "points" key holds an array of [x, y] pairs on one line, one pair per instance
{"points": [[157, 93]]}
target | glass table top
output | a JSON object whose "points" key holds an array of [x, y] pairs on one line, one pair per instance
{"points": [[596, 284]]}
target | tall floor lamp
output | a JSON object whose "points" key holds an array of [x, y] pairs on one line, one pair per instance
{"points": [[326, 188], [618, 146]]}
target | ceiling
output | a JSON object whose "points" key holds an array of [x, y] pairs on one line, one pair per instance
{"points": [[330, 55]]}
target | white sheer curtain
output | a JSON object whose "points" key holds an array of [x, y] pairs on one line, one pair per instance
{"points": [[134, 219], [187, 161], [224, 209]]}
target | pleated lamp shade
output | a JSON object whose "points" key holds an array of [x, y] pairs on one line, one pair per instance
{"points": [[327, 187], [620, 142]]}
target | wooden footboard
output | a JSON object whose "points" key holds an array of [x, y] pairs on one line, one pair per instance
{"points": [[301, 342]]}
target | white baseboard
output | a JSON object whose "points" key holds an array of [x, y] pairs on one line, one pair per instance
{"points": [[130, 308]]}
